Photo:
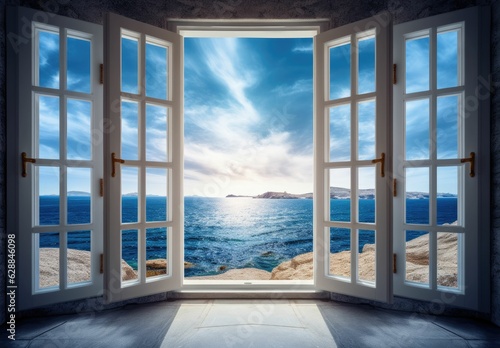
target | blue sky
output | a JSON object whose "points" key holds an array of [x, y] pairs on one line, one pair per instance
{"points": [[248, 111], [248, 116]]}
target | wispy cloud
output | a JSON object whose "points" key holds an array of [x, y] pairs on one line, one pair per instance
{"points": [[417, 65], [231, 144], [79, 129], [303, 49], [224, 59], [299, 86]]}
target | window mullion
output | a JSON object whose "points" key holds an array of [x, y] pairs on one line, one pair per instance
{"points": [[63, 168]]}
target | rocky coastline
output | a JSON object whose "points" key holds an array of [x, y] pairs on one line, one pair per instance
{"points": [[298, 268]]}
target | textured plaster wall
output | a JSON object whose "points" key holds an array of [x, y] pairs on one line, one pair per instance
{"points": [[339, 12]]}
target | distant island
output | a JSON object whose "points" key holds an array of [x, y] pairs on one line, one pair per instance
{"points": [[339, 193], [78, 194], [284, 195]]}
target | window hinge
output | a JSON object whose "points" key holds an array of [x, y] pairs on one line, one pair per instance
{"points": [[101, 267], [101, 74], [101, 187], [394, 187], [394, 74], [394, 268]]}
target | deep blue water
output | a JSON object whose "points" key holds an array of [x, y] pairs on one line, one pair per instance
{"points": [[235, 232]]}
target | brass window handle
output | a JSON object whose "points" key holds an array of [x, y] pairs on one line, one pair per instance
{"points": [[381, 160], [25, 159], [472, 161], [114, 160]]}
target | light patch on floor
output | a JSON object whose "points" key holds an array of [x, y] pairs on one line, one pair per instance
{"points": [[225, 323]]}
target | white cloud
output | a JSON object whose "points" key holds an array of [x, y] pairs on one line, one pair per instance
{"points": [[254, 167], [224, 60], [299, 86], [48, 45], [417, 64], [230, 146], [303, 49], [79, 115]]}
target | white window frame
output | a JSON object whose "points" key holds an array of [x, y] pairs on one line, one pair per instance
{"points": [[116, 290], [473, 250], [249, 29], [381, 288], [22, 136]]}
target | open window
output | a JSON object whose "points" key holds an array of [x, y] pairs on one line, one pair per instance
{"points": [[55, 158], [352, 160], [441, 165], [69, 158], [144, 159]]}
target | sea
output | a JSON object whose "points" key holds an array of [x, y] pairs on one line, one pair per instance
{"points": [[235, 232]]}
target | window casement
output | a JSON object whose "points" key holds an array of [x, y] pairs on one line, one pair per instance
{"points": [[351, 127], [55, 139], [382, 142], [440, 114], [144, 107]]}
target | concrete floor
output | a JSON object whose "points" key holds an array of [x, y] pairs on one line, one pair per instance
{"points": [[251, 323]]}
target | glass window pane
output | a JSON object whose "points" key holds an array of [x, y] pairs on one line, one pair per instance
{"points": [[48, 59], [340, 253], [48, 127], [79, 129], [448, 255], [156, 133], [156, 194], [447, 195], [366, 256], [417, 129], [48, 193], [156, 71], [78, 181], [366, 130], [156, 252], [417, 257], [130, 188], [48, 259], [340, 194], [130, 65], [78, 60], [130, 255], [447, 59], [417, 65], [340, 71], [130, 130], [79, 257], [366, 194], [340, 133], [417, 195], [366, 65], [447, 135]]}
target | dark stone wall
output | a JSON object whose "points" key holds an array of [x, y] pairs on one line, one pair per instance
{"points": [[2, 163], [495, 162], [339, 12]]}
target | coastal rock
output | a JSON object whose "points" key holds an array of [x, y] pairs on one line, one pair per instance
{"points": [[417, 267], [156, 267], [78, 266], [128, 272], [298, 268]]}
